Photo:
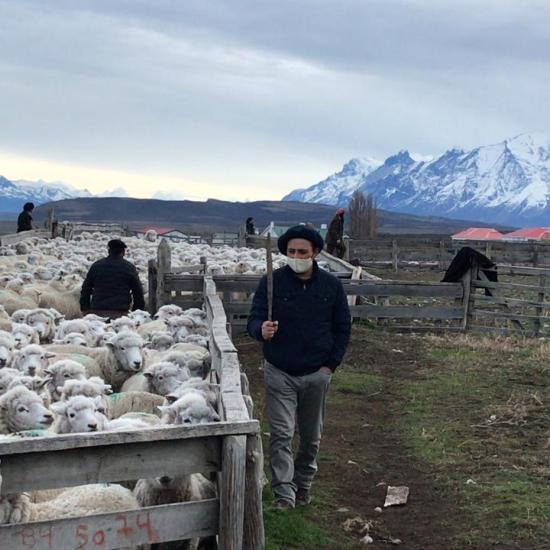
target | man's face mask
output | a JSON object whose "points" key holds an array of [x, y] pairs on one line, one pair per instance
{"points": [[300, 265]]}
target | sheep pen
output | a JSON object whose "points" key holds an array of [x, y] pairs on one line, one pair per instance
{"points": [[90, 435]]}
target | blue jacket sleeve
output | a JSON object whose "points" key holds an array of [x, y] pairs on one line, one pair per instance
{"points": [[258, 311], [341, 328]]}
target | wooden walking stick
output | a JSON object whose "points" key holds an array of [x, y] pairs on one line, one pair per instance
{"points": [[269, 260]]}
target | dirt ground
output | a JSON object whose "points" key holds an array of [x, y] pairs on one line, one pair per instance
{"points": [[367, 445], [361, 450]]}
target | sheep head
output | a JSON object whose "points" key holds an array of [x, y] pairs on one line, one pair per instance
{"points": [[24, 409]]}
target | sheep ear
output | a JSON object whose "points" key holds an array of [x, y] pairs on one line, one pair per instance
{"points": [[110, 344], [50, 354], [148, 374], [215, 416], [59, 407], [108, 389], [171, 398], [48, 372], [43, 382]]}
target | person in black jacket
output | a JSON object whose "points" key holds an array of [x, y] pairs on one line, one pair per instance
{"points": [[302, 347], [112, 285], [335, 235], [24, 220]]}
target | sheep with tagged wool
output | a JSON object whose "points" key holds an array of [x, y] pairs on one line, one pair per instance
{"points": [[7, 345], [31, 359], [83, 500], [34, 383], [62, 371], [22, 409], [7, 374], [24, 335], [119, 404]]}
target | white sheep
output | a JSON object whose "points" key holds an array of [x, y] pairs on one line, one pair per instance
{"points": [[132, 421], [31, 359], [164, 377], [83, 500], [74, 325], [209, 391], [123, 323], [197, 360], [60, 372], [24, 335], [43, 320], [78, 414], [20, 315], [73, 339], [119, 404], [22, 409], [191, 408], [91, 387], [34, 383], [7, 345], [140, 317], [7, 374], [161, 340]]}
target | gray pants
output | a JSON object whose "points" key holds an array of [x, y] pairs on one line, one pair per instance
{"points": [[290, 399]]}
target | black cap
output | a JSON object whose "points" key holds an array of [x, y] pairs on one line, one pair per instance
{"points": [[300, 232], [116, 244]]}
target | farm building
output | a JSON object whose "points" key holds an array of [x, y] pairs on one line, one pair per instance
{"points": [[478, 234], [278, 230], [528, 234]]}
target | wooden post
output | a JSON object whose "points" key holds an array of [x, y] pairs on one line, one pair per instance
{"points": [[441, 255], [231, 493], [347, 242], [153, 283], [536, 254], [254, 534], [467, 302], [539, 309], [394, 256], [164, 264]]}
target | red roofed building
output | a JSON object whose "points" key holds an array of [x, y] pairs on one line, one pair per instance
{"points": [[529, 234], [478, 234]]}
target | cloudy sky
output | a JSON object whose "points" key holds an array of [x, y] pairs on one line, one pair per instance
{"points": [[249, 99]]}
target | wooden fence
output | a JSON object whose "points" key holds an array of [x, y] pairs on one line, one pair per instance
{"points": [[513, 305], [14, 238], [417, 253], [230, 448]]}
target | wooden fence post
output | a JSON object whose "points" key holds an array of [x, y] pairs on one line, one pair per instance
{"points": [[152, 283], [164, 264], [441, 255], [467, 301], [539, 309], [394, 256], [347, 242]]}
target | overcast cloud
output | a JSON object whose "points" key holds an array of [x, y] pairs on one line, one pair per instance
{"points": [[250, 99]]}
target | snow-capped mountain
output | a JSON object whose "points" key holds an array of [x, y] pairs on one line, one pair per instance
{"points": [[13, 194], [508, 182]]}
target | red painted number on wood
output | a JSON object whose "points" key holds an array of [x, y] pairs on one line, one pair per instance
{"points": [[143, 521], [99, 538], [82, 535], [125, 530]]}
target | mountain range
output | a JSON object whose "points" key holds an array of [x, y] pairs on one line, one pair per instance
{"points": [[13, 193], [505, 183]]}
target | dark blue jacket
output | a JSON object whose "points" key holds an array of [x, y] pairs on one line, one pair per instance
{"points": [[314, 321]]}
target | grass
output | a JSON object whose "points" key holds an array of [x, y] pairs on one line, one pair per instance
{"points": [[480, 415]]}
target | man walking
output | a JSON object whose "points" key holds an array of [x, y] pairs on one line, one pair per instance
{"points": [[112, 285], [303, 345]]}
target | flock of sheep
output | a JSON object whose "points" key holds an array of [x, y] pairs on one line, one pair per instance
{"points": [[61, 373]]}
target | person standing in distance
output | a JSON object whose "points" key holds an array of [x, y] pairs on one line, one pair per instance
{"points": [[112, 285], [335, 235], [302, 347], [24, 220]]}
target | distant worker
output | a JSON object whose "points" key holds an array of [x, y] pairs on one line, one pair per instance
{"points": [[335, 235], [250, 228], [112, 285], [24, 221]]}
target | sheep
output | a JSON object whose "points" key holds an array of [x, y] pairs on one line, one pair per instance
{"points": [[161, 340], [83, 500], [31, 359], [167, 311], [34, 383], [209, 391], [171, 489], [13, 301], [24, 335], [7, 374], [20, 315], [22, 409], [164, 377], [61, 371], [194, 358], [73, 339], [91, 387], [74, 325], [132, 421], [98, 332], [43, 320], [123, 323], [191, 408], [78, 414], [133, 401], [140, 317], [7, 345], [65, 302], [150, 235], [158, 325]]}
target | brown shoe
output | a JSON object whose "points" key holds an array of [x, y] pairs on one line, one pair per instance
{"points": [[302, 497]]}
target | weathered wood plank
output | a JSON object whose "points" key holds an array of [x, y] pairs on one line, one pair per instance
{"points": [[14, 238], [407, 312], [512, 301], [485, 313], [508, 286], [115, 530], [65, 468], [254, 534], [159, 433]]}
